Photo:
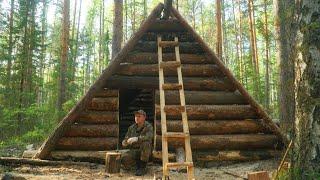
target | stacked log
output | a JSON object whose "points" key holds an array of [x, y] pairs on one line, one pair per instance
{"points": [[226, 142], [97, 128], [190, 83], [212, 127], [188, 70], [152, 58]]}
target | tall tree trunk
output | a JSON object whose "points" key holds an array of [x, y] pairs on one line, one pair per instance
{"points": [[308, 93], [144, 9], [286, 28], [133, 24], [9, 65], [43, 51], [254, 51], [224, 34], [23, 65], [219, 29], [72, 45], [237, 41], [76, 42], [177, 5], [101, 35], [267, 76], [117, 27], [126, 20], [64, 55], [241, 64]]}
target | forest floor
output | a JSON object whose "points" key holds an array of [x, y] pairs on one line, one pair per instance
{"points": [[215, 171]]}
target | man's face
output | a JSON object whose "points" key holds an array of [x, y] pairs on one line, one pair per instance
{"points": [[139, 118]]}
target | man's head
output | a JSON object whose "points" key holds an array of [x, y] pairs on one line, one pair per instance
{"points": [[140, 116]]}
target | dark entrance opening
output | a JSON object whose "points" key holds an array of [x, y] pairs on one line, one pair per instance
{"points": [[132, 100]]}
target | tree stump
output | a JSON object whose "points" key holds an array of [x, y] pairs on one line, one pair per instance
{"points": [[113, 162], [260, 175]]}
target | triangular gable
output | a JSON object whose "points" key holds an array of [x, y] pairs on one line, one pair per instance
{"points": [[269, 124], [69, 119]]}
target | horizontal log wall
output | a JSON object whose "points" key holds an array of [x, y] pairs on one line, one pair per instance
{"points": [[184, 47], [96, 117], [202, 84], [104, 104], [93, 130], [171, 25], [202, 97], [87, 143], [152, 58], [226, 142], [211, 127], [199, 112], [188, 70], [168, 36]]}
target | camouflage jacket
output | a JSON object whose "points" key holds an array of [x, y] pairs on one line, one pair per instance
{"points": [[144, 133]]}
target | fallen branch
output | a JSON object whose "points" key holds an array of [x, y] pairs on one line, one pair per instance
{"points": [[7, 161]]}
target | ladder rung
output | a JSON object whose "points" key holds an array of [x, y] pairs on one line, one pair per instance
{"points": [[168, 43], [179, 108], [175, 135], [171, 86], [180, 164], [170, 64]]}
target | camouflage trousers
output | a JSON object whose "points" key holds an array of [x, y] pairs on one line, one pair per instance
{"points": [[142, 151]]}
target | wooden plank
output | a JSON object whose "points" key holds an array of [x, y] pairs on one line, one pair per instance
{"points": [[175, 135], [170, 64], [69, 119], [163, 113], [171, 86], [168, 43], [177, 164], [184, 116]]}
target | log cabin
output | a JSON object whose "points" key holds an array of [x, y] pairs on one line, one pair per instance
{"points": [[225, 122]]}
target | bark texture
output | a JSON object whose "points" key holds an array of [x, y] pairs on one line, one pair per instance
{"points": [[286, 27], [308, 93], [117, 27]]}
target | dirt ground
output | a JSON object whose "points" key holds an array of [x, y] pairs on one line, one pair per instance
{"points": [[217, 171]]}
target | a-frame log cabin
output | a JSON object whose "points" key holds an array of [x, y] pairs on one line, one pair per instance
{"points": [[225, 122]]}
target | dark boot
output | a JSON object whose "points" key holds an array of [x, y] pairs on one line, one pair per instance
{"points": [[142, 168]]}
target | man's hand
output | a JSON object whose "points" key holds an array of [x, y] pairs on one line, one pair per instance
{"points": [[132, 140]]}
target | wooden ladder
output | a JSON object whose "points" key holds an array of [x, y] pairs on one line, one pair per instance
{"points": [[188, 163]]}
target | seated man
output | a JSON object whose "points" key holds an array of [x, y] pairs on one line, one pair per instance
{"points": [[139, 140]]}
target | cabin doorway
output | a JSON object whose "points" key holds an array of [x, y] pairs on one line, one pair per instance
{"points": [[131, 100]]}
